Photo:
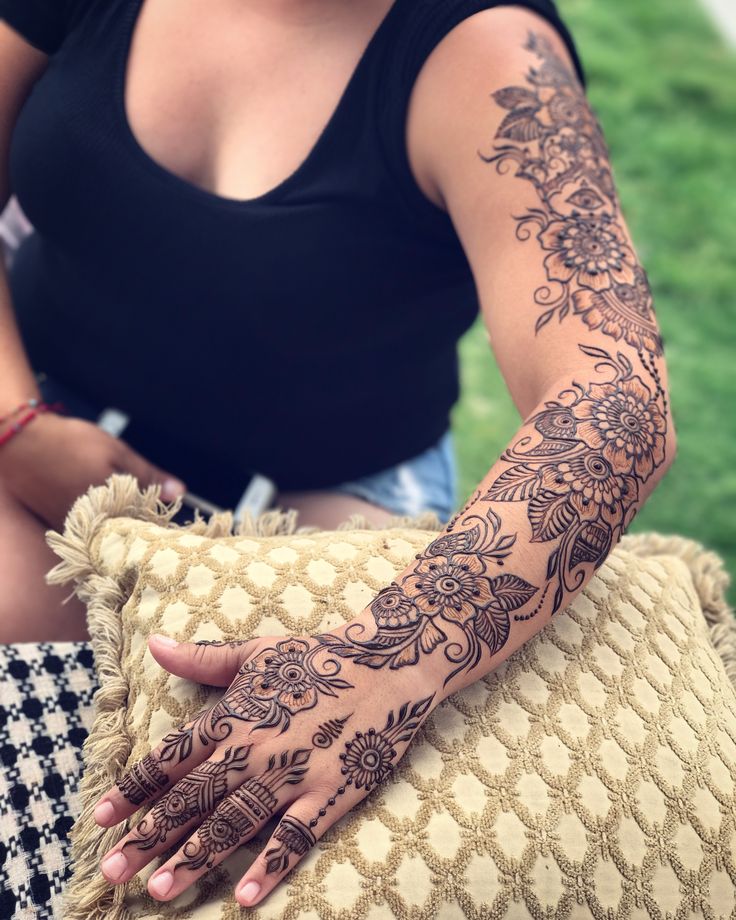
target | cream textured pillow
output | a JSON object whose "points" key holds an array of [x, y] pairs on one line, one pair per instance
{"points": [[592, 774]]}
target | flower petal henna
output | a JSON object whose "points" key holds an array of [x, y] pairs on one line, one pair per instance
{"points": [[584, 491], [552, 136], [280, 682], [451, 584]]}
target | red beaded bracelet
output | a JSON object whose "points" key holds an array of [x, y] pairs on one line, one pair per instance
{"points": [[30, 403], [36, 409]]}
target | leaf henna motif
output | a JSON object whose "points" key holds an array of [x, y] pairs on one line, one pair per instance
{"points": [[584, 491], [450, 584], [552, 136]]}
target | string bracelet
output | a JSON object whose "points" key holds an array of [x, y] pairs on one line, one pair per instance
{"points": [[31, 403], [35, 408]]}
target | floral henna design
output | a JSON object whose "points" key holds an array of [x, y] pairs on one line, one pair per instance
{"points": [[554, 139], [581, 481], [193, 797], [451, 584], [278, 683], [244, 810], [368, 759]]}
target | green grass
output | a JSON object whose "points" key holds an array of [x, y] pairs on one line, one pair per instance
{"points": [[662, 83]]}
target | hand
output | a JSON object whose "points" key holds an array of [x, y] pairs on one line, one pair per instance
{"points": [[297, 729], [56, 458]]}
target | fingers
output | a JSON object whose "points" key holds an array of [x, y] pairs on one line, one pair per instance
{"points": [[191, 800], [234, 822], [296, 833], [129, 461], [205, 663], [180, 751]]}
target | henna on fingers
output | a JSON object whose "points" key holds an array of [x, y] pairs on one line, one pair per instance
{"points": [[244, 811], [195, 796]]}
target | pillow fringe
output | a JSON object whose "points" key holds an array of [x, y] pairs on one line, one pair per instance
{"points": [[710, 580], [106, 751]]}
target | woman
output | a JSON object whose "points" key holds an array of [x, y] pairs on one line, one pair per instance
{"points": [[261, 232]]}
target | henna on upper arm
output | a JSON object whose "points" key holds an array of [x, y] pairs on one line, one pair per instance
{"points": [[552, 137]]}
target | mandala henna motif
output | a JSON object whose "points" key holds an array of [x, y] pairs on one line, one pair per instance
{"points": [[583, 489], [553, 139], [368, 759], [450, 584]]}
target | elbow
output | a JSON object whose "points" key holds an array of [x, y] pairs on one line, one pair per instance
{"points": [[670, 444], [670, 452]]}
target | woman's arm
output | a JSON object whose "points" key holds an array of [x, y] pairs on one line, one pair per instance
{"points": [[501, 133], [502, 136], [21, 67], [83, 454]]}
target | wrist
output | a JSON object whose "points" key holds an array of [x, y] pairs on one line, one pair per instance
{"points": [[12, 424], [418, 664]]}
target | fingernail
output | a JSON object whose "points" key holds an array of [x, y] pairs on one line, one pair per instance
{"points": [[171, 489], [104, 813], [114, 866], [250, 891], [166, 641], [160, 885]]}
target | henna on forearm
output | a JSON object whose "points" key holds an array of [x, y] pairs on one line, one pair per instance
{"points": [[581, 461]]}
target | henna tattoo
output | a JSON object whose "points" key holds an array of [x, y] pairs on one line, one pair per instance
{"points": [[194, 796], [294, 839], [451, 583], [270, 688], [581, 481], [555, 141], [223, 643], [368, 759], [143, 780], [328, 731], [240, 814], [278, 683]]}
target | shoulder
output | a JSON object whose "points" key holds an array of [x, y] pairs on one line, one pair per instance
{"points": [[482, 54]]}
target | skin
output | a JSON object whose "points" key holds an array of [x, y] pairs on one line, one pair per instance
{"points": [[521, 167], [304, 728], [170, 110]]}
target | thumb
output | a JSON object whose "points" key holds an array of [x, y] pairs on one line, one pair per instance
{"points": [[148, 474], [216, 664]]}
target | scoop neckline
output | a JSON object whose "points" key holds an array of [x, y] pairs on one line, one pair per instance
{"points": [[197, 191]]}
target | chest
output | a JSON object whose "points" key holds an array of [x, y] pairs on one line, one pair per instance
{"points": [[233, 97]]}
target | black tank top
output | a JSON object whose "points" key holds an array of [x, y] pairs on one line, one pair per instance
{"points": [[309, 333]]}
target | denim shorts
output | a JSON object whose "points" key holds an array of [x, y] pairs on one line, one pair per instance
{"points": [[427, 482]]}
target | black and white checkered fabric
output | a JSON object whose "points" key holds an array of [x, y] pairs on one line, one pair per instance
{"points": [[46, 712]]}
